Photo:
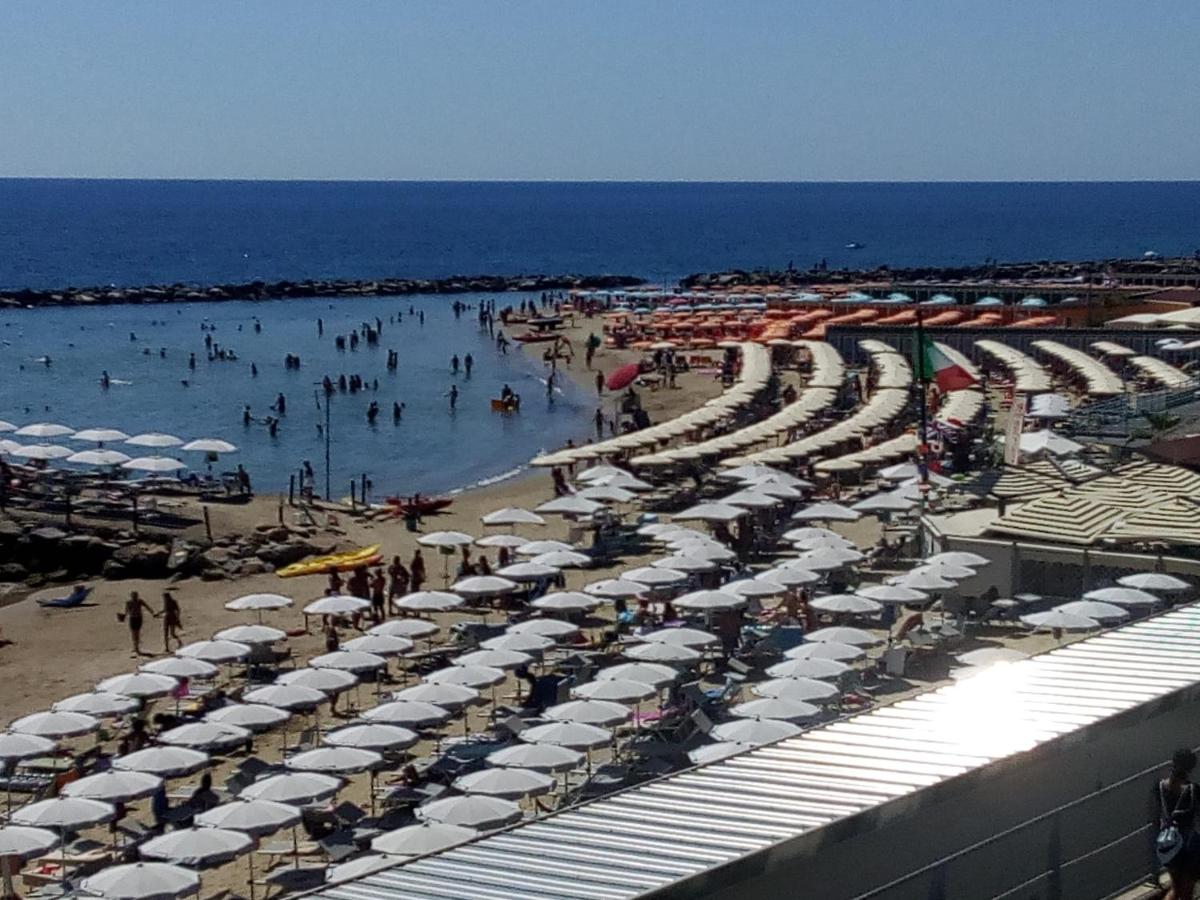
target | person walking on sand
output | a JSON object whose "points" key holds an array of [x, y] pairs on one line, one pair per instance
{"points": [[453, 395], [133, 618], [599, 382], [398, 585], [172, 621], [416, 567], [598, 419], [378, 596]]}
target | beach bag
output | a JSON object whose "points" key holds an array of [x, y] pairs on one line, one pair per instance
{"points": [[1169, 841]]}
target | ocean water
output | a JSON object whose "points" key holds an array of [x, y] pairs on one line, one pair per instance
{"points": [[430, 450], [55, 233], [59, 232]]}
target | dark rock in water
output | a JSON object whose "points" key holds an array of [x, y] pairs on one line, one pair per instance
{"points": [[48, 533]]}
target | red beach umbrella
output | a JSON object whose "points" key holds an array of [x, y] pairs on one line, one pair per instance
{"points": [[622, 377]]}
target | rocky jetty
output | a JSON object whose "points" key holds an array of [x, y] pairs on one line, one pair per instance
{"points": [[1091, 271], [281, 290]]}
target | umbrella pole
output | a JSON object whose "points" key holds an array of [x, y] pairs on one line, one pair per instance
{"points": [[295, 848], [372, 793], [8, 885], [250, 861]]}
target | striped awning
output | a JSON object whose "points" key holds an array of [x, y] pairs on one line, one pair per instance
{"points": [[1172, 479], [1060, 518]]}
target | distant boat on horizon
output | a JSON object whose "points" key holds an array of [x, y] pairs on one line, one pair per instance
{"points": [[854, 245]]}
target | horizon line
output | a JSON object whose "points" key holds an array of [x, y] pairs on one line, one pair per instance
{"points": [[615, 181]]}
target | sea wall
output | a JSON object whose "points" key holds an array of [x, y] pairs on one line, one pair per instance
{"points": [[280, 290]]}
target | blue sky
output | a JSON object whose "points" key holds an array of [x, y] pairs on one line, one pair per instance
{"points": [[638, 90]]}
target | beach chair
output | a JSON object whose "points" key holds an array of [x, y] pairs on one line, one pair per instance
{"points": [[73, 599]]}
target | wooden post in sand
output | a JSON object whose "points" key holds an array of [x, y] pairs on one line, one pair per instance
{"points": [[207, 523]]}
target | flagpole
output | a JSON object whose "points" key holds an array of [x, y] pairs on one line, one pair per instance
{"points": [[922, 374]]}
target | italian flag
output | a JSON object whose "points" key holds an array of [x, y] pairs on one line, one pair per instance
{"points": [[933, 364]]}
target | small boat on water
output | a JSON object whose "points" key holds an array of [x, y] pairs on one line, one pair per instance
{"points": [[421, 505], [854, 245]]}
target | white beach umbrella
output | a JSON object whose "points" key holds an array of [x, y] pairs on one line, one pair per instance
{"points": [[430, 601], [165, 762], [407, 714], [155, 439], [538, 757], [97, 703], [343, 660], [521, 641], [811, 532], [1063, 621], [253, 716], [681, 637], [773, 488], [494, 659], [709, 600], [251, 634], [566, 602], [562, 559], [575, 735], [1094, 609], [511, 541], [824, 542], [512, 515], [710, 512], [485, 586], [759, 586], [471, 811], [946, 570], [372, 736], [754, 731], [179, 667], [160, 464], [7, 447], [1154, 581], [616, 588], [654, 674], [24, 841], [336, 605], [555, 629], [445, 539], [98, 458], [607, 494], [259, 602], [296, 788], [851, 604], [821, 669], [360, 867], [1044, 441], [826, 650], [509, 783], [7, 426], [752, 499], [113, 786], [776, 708], [843, 635], [476, 677], [139, 684], [616, 690], [215, 652], [677, 534], [379, 644], [923, 579], [43, 430], [716, 752], [892, 593], [286, 696], [406, 628], [686, 564], [662, 653], [447, 696], [527, 572], [211, 736], [418, 840], [55, 724], [570, 505], [42, 451], [602, 470], [589, 712], [987, 656], [142, 881], [824, 558], [655, 577], [197, 846], [960, 558], [209, 445], [24, 746], [804, 689], [709, 550], [829, 512], [624, 480], [334, 760], [885, 501], [255, 816], [327, 680], [63, 813], [1123, 596], [789, 576]]}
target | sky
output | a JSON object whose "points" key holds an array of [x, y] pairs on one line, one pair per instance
{"points": [[695, 90]]}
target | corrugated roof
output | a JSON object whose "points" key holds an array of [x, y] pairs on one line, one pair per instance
{"points": [[666, 831], [1061, 518]]}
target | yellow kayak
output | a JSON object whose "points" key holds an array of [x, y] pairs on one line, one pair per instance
{"points": [[319, 565]]}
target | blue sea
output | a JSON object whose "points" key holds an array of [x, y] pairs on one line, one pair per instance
{"points": [[55, 233]]}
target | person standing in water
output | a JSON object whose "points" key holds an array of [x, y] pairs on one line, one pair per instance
{"points": [[453, 395], [454, 364], [468, 362]]}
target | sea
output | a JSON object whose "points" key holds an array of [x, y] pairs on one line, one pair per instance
{"points": [[58, 233]]}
